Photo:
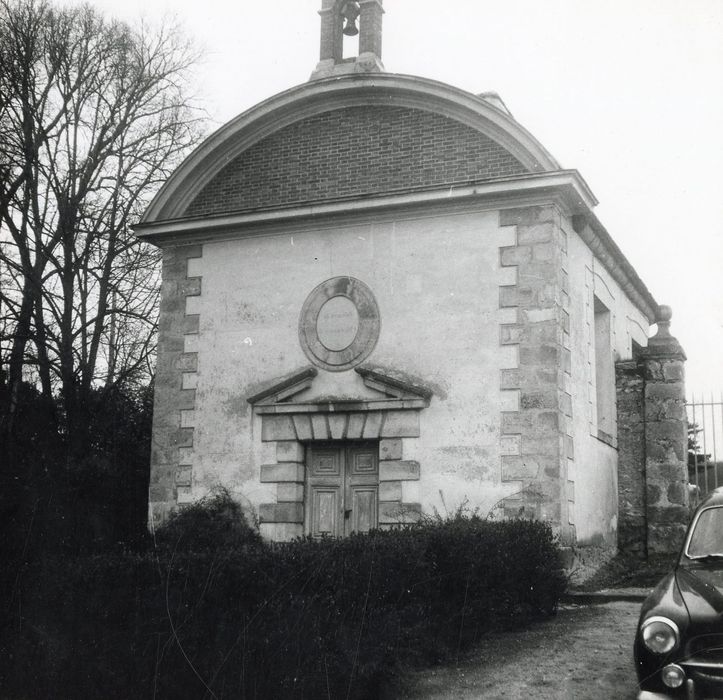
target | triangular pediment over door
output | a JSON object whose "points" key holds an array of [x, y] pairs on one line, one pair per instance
{"points": [[340, 463]]}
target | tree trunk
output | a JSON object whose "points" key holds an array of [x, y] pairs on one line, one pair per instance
{"points": [[17, 359]]}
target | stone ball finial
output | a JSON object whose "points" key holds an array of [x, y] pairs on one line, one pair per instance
{"points": [[662, 343], [662, 318], [665, 313]]}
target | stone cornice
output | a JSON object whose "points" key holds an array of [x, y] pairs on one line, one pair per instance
{"points": [[566, 185], [342, 406], [283, 389], [394, 386], [596, 236]]}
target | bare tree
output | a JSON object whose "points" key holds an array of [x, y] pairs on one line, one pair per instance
{"points": [[94, 115]]}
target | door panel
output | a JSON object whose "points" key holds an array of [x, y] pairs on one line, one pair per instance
{"points": [[363, 462], [363, 509], [325, 510], [341, 488], [326, 463]]}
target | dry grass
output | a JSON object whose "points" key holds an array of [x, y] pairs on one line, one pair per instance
{"points": [[626, 571]]}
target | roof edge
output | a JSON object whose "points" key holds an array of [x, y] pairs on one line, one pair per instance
{"points": [[589, 227]]}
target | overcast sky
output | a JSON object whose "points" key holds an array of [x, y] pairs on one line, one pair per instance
{"points": [[629, 92]]}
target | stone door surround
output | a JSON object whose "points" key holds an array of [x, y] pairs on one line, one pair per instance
{"points": [[292, 425]]}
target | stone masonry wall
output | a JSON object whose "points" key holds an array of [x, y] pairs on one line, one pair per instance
{"points": [[652, 442], [630, 386], [666, 440], [354, 152], [174, 390], [536, 443]]}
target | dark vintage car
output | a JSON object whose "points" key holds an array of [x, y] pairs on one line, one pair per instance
{"points": [[679, 642]]}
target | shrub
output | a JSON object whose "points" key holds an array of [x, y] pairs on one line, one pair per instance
{"points": [[213, 523], [304, 619]]}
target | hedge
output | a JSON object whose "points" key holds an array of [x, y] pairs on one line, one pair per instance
{"points": [[306, 619]]}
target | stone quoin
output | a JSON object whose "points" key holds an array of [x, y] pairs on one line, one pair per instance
{"points": [[383, 297]]}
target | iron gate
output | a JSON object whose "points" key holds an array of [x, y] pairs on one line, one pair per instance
{"points": [[705, 443]]}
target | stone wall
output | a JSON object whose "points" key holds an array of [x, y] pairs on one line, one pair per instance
{"points": [[666, 440], [653, 436], [536, 443], [174, 390], [630, 384]]}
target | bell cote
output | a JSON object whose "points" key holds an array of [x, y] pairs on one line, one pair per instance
{"points": [[342, 21]]}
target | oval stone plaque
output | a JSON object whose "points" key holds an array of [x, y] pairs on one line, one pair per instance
{"points": [[337, 323]]}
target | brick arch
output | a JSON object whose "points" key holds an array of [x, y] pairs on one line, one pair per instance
{"points": [[354, 152]]}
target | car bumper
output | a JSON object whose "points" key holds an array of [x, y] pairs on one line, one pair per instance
{"points": [[686, 692]]}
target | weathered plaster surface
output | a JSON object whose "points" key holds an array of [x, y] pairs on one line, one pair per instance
{"points": [[436, 281], [494, 310], [595, 461]]}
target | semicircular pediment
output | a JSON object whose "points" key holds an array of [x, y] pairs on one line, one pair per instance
{"points": [[346, 138], [353, 152]]}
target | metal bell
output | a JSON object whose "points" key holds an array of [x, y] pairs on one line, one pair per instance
{"points": [[350, 12], [350, 28]]}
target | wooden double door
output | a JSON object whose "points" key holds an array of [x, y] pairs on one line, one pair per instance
{"points": [[342, 488]]}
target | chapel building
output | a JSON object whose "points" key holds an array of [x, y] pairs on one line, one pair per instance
{"points": [[383, 297]]}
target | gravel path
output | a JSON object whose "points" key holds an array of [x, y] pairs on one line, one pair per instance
{"points": [[584, 653]]}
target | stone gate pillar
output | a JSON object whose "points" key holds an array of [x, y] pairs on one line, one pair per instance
{"points": [[666, 439]]}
